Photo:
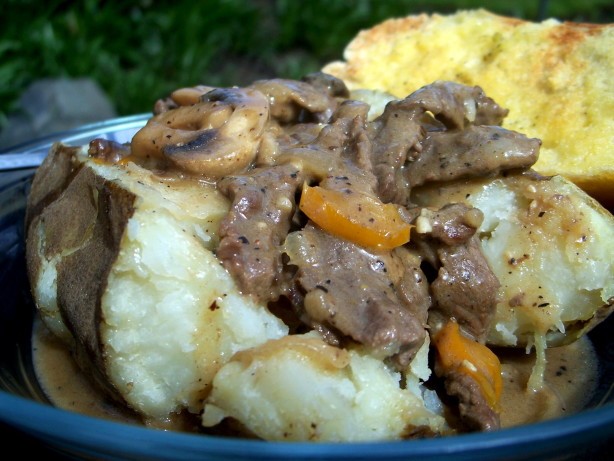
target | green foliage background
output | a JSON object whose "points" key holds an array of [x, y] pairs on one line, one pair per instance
{"points": [[141, 50]]}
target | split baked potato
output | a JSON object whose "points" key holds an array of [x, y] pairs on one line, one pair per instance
{"points": [[121, 266]]}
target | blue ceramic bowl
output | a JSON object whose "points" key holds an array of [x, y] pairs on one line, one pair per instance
{"points": [[31, 422]]}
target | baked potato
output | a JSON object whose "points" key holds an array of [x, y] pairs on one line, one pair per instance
{"points": [[539, 236], [122, 269]]}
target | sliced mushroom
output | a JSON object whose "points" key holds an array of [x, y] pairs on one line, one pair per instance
{"points": [[214, 137]]}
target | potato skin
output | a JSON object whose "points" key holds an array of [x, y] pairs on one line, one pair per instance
{"points": [[50, 179], [71, 209]]}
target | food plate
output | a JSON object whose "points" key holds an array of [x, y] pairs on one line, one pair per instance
{"points": [[25, 410]]}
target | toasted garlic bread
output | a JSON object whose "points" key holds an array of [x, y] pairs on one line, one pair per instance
{"points": [[554, 77]]}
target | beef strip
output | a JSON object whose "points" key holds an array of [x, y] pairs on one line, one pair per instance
{"points": [[339, 156], [347, 133], [294, 101], [465, 289], [452, 224], [436, 133], [396, 136], [474, 411], [375, 299], [252, 232], [476, 151], [333, 86], [457, 105], [412, 288]]}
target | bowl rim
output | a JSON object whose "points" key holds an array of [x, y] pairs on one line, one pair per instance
{"points": [[63, 427], [125, 122]]}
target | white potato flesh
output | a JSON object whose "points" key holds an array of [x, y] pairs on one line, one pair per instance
{"points": [[44, 291], [300, 388]]}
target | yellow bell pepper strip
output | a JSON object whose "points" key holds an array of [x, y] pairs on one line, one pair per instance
{"points": [[356, 217], [455, 352]]}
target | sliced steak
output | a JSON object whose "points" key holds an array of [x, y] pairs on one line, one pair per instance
{"points": [[251, 234], [476, 151], [457, 105], [375, 299], [399, 132], [474, 411], [452, 224], [442, 132], [465, 288]]}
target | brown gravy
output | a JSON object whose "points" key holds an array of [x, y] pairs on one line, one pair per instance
{"points": [[570, 380], [64, 383]]}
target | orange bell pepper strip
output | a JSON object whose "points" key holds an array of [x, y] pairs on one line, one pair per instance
{"points": [[456, 352], [356, 217]]}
